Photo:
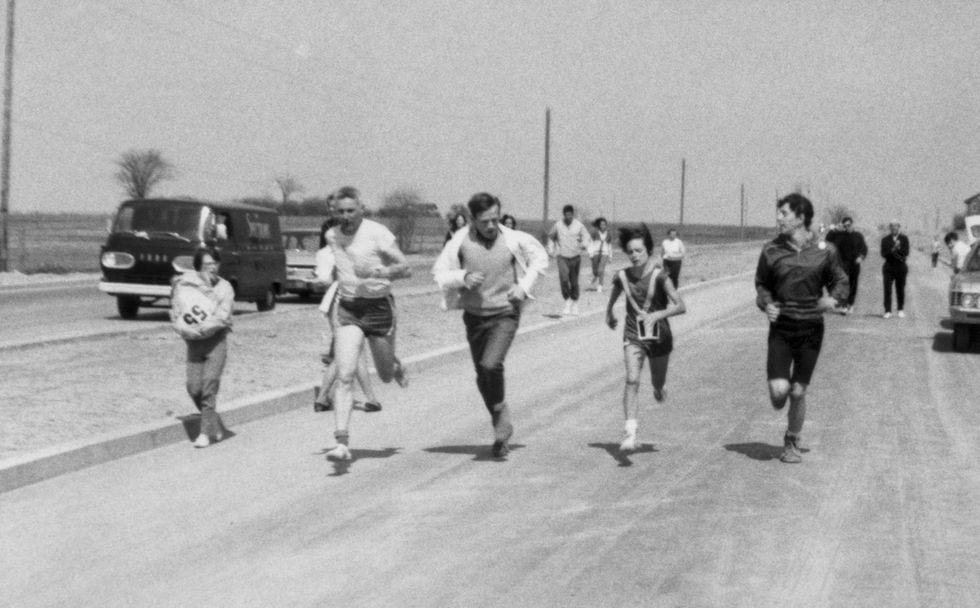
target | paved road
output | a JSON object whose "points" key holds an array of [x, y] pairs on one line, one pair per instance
{"points": [[882, 512], [75, 309]]}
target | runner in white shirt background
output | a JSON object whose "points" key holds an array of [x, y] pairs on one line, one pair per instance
{"points": [[673, 254]]}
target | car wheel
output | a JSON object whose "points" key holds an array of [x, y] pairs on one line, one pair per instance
{"points": [[127, 306], [267, 301], [961, 337]]}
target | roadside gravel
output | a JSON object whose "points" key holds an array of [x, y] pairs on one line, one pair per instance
{"points": [[69, 391]]}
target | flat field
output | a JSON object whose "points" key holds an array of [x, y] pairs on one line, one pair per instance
{"points": [[63, 243]]}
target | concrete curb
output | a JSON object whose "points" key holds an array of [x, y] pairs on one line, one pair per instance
{"points": [[73, 456]]}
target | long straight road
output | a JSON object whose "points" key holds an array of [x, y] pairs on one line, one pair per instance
{"points": [[882, 511]]}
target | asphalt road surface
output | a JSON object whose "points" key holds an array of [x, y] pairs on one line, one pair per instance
{"points": [[882, 511]]}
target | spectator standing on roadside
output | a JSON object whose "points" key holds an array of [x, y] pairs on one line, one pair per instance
{"points": [[600, 251], [935, 251], [958, 251], [793, 270], [456, 222], [567, 239], [201, 309], [672, 251], [489, 271], [852, 250], [367, 259], [894, 250], [643, 281], [509, 221]]}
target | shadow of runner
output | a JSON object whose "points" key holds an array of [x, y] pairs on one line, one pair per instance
{"points": [[192, 426], [342, 467], [480, 453], [623, 457], [757, 450]]}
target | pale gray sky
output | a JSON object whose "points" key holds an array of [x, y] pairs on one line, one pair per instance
{"points": [[872, 105]]}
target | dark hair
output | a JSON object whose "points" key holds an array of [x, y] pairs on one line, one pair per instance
{"points": [[480, 202], [347, 192], [199, 257], [635, 231], [669, 230], [506, 217], [598, 220], [799, 205], [567, 209], [453, 217], [951, 236], [847, 219]]}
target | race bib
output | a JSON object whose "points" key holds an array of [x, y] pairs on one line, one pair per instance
{"points": [[191, 307]]}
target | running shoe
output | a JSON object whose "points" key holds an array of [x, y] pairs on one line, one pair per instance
{"points": [[660, 393], [791, 450], [371, 406], [341, 452], [400, 377], [901, 314], [629, 443], [502, 432], [323, 403], [202, 441], [887, 315]]}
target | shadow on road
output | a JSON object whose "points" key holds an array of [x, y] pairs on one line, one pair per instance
{"points": [[758, 451], [342, 467], [622, 458], [192, 426], [942, 342], [479, 452]]}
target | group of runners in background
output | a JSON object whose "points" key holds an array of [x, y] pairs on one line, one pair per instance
{"points": [[488, 269]]}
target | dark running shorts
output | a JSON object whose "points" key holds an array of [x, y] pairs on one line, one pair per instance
{"points": [[375, 316], [793, 346]]}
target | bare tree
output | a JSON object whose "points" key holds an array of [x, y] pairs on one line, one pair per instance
{"points": [[288, 185], [404, 206], [141, 170], [835, 214]]}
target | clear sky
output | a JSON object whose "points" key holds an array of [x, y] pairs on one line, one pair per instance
{"points": [[871, 105]]}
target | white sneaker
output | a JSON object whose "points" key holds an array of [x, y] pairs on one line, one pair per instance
{"points": [[202, 441], [341, 452], [887, 315], [568, 308], [901, 314], [598, 289], [574, 312], [629, 443]]}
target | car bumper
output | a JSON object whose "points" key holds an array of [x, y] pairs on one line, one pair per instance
{"points": [[134, 289], [967, 316]]}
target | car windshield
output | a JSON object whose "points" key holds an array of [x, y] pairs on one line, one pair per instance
{"points": [[306, 241], [154, 218], [973, 262]]}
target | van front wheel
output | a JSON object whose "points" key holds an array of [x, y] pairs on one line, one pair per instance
{"points": [[267, 301], [127, 306]]}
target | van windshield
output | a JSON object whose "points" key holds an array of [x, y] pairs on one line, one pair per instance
{"points": [[160, 219]]}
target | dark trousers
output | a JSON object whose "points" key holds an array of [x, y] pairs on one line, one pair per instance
{"points": [[205, 363], [568, 269], [490, 337], [853, 273], [894, 274], [673, 268]]}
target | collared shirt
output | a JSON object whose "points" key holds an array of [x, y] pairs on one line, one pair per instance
{"points": [[794, 278], [570, 239]]}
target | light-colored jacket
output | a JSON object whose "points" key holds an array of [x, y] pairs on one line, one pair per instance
{"points": [[530, 255]]}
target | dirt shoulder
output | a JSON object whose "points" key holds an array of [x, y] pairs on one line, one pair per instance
{"points": [[70, 391]]}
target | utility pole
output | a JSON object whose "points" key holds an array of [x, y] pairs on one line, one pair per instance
{"points": [[683, 176], [8, 77], [741, 219], [547, 165]]}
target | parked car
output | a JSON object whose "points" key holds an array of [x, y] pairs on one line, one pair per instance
{"points": [[301, 246], [964, 300], [151, 240]]}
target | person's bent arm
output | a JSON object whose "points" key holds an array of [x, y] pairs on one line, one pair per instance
{"points": [[613, 296]]}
